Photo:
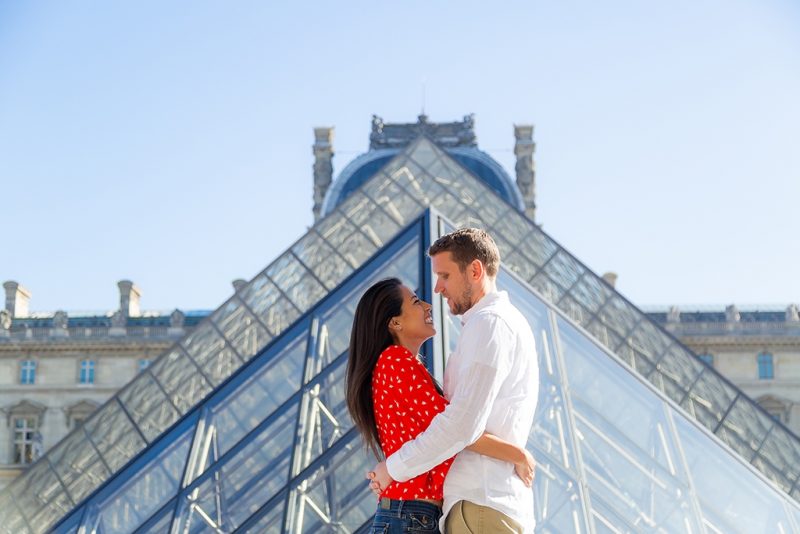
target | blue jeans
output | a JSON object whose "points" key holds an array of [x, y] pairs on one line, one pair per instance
{"points": [[398, 517]]}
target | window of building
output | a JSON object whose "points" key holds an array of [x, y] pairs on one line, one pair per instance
{"points": [[776, 407], [24, 420], [80, 412], [144, 363], [27, 372], [87, 372], [706, 357], [766, 369], [25, 440]]}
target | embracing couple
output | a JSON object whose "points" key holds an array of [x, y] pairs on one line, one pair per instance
{"points": [[455, 458]]}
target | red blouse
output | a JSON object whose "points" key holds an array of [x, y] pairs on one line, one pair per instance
{"points": [[405, 401]]}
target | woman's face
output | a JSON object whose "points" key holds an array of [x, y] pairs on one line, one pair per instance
{"points": [[415, 321]]}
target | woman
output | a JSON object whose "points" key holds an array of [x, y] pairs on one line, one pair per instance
{"points": [[392, 398]]}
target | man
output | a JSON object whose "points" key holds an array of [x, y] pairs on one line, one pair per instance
{"points": [[491, 381]]}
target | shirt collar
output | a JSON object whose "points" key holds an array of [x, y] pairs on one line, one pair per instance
{"points": [[488, 298]]}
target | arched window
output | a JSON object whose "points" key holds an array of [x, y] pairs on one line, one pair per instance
{"points": [[766, 370]]}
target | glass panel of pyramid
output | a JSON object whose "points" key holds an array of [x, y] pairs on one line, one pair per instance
{"points": [[260, 316], [275, 435], [273, 449]]}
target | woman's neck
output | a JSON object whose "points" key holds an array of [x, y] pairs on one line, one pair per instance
{"points": [[412, 346]]}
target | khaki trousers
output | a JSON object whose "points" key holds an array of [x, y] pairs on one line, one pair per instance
{"points": [[469, 518]]}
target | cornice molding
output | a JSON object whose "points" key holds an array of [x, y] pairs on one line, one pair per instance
{"points": [[741, 341], [63, 345]]}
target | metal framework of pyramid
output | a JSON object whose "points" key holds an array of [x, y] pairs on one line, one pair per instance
{"points": [[241, 426]]}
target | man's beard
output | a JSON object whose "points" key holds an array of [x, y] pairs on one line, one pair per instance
{"points": [[463, 303]]}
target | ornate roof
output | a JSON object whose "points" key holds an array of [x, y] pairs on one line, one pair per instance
{"points": [[455, 138], [444, 134]]}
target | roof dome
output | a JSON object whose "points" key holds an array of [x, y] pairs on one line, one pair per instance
{"points": [[457, 139]]}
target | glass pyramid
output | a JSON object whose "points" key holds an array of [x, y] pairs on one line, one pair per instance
{"points": [[213, 438]]}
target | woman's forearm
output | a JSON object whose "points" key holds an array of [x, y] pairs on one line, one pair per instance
{"points": [[500, 449]]}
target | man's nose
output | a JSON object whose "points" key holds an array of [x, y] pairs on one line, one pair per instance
{"points": [[438, 287]]}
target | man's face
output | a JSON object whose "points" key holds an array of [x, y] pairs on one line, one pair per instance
{"points": [[452, 283]]}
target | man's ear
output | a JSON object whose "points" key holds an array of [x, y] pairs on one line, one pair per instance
{"points": [[477, 269]]}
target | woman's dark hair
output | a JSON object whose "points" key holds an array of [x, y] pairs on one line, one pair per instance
{"points": [[369, 337]]}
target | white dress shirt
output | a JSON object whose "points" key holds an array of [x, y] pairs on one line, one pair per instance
{"points": [[492, 383]]}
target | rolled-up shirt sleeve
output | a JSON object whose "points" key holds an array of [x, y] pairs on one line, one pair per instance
{"points": [[485, 350]]}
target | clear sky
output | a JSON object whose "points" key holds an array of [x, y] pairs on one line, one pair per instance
{"points": [[170, 142]]}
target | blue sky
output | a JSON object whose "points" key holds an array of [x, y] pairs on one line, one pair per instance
{"points": [[170, 143]]}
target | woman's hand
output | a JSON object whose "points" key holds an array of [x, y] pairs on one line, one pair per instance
{"points": [[500, 449], [379, 478], [526, 468]]}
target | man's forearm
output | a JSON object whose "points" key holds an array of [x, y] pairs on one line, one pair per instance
{"points": [[458, 426], [410, 461], [449, 433]]}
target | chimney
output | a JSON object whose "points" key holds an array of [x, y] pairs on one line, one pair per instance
{"points": [[611, 279], [732, 314], [60, 324], [523, 149], [674, 315], [17, 299], [323, 167], [176, 321], [238, 284], [128, 298], [5, 323], [177, 318]]}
